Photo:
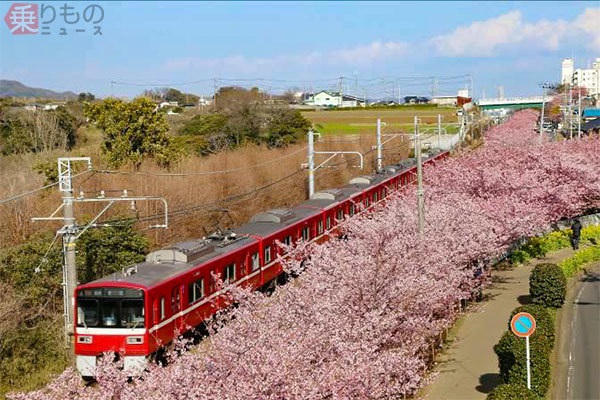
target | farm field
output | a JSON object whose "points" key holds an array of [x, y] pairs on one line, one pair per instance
{"points": [[364, 121]]}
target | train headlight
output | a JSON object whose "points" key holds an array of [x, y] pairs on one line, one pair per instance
{"points": [[135, 339], [84, 339]]}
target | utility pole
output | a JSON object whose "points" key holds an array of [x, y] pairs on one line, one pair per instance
{"points": [[70, 231], [311, 161], [379, 150], [341, 91], [439, 129], [579, 113], [420, 198], [542, 116], [215, 93], [570, 112], [472, 93]]}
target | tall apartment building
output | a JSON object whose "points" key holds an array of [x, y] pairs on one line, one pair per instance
{"points": [[587, 78]]}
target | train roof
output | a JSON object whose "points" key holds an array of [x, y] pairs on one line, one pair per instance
{"points": [[166, 263]]}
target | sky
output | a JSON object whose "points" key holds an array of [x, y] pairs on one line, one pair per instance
{"points": [[306, 45]]}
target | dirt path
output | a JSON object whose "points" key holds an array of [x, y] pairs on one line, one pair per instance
{"points": [[468, 369]]}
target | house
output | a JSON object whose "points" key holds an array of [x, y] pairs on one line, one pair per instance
{"points": [[450, 101], [591, 114], [41, 107], [168, 104], [592, 126], [415, 100], [204, 102], [383, 103], [331, 99]]}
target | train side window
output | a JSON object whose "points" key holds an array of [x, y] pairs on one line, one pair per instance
{"points": [[340, 215], [162, 308], [320, 227], [287, 240], [375, 197], [306, 233], [267, 255], [351, 209], [328, 222], [367, 201], [196, 291], [255, 262], [229, 273]]}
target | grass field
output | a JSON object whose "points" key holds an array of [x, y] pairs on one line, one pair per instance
{"points": [[364, 121]]}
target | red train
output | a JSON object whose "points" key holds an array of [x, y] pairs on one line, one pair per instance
{"points": [[138, 310]]}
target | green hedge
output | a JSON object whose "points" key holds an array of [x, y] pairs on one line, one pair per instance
{"points": [[548, 285], [544, 321], [512, 359], [539, 246], [572, 264], [509, 391]]}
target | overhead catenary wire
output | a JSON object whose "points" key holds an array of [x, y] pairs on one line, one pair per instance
{"points": [[29, 193], [200, 173]]}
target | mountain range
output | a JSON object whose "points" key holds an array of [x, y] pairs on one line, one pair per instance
{"points": [[17, 89]]}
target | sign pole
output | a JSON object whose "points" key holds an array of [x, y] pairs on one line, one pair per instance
{"points": [[528, 363], [523, 325]]}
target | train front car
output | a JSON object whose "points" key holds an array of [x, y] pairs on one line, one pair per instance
{"points": [[110, 318]]}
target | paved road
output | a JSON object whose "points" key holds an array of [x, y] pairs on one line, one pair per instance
{"points": [[584, 356]]}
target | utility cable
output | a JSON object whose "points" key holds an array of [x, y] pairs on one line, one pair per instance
{"points": [[20, 196], [200, 173]]}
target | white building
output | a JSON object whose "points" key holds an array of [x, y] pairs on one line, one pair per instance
{"points": [[331, 99], [587, 78]]}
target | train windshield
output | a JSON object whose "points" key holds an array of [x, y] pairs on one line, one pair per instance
{"points": [[110, 308]]}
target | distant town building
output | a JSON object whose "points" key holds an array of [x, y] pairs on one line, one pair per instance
{"points": [[204, 102], [415, 100], [587, 78], [462, 97], [325, 98], [41, 107]]}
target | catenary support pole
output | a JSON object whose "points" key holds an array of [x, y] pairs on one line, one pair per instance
{"points": [[311, 163], [379, 149], [542, 116], [420, 199]]}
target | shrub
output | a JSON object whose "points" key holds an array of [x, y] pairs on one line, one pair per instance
{"points": [[509, 391], [548, 285], [544, 322], [512, 361], [572, 264], [132, 131]]}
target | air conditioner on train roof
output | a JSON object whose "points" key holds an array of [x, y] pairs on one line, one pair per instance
{"points": [[277, 216], [329, 194], [362, 180], [181, 252]]}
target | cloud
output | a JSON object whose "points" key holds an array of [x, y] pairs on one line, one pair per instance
{"points": [[510, 32], [486, 38], [589, 22], [506, 33], [361, 55]]}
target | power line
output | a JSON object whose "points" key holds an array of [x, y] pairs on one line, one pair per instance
{"points": [[22, 195], [199, 207], [200, 173]]}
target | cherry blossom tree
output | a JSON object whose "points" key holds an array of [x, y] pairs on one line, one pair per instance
{"points": [[360, 320]]}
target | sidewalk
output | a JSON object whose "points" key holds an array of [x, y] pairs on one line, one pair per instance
{"points": [[468, 369]]}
